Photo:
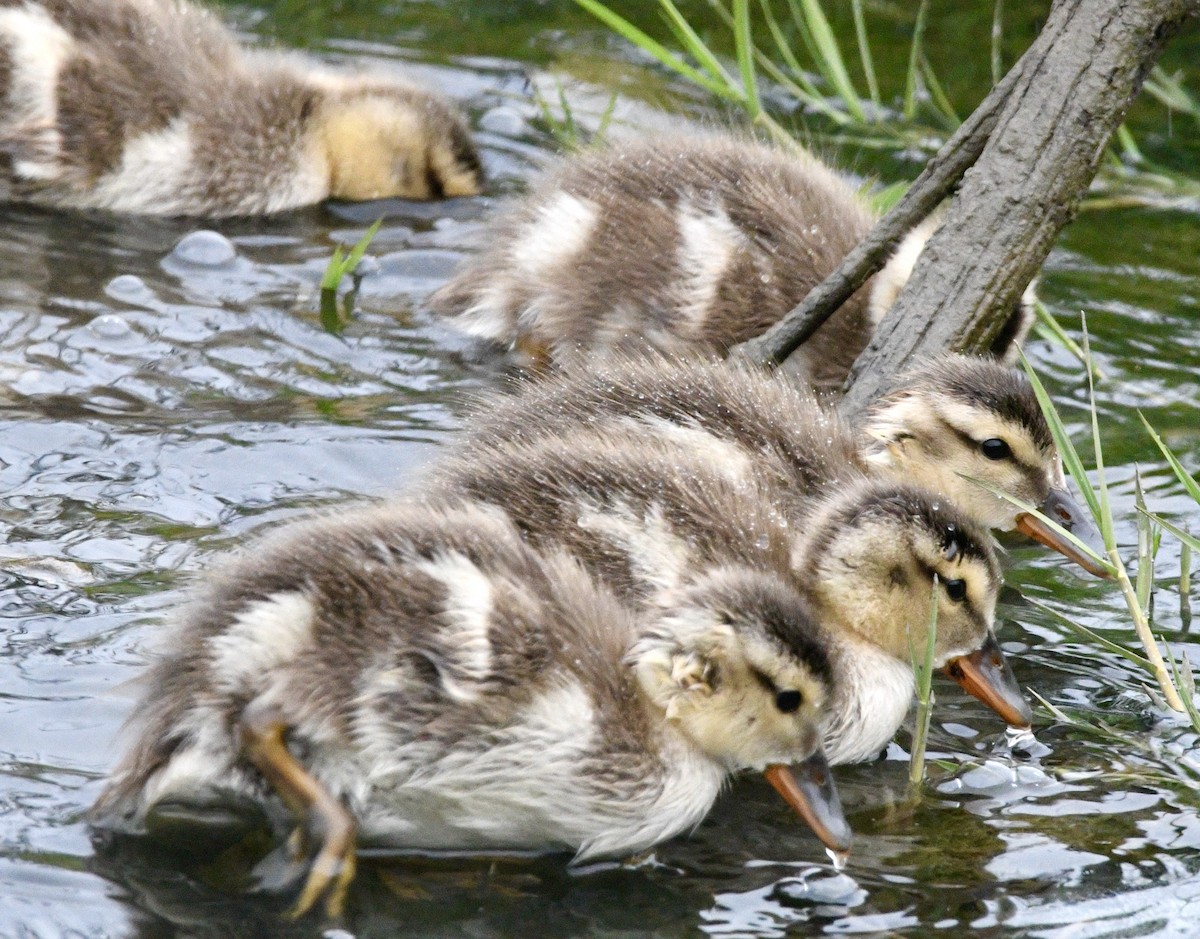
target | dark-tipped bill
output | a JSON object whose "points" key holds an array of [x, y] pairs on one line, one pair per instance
{"points": [[1068, 513], [811, 792], [986, 674]]}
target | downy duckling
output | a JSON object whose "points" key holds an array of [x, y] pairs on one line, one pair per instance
{"points": [[948, 422], [151, 106], [681, 244], [418, 677], [654, 510]]}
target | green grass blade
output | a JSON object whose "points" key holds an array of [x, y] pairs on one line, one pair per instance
{"points": [[1092, 636], [357, 252], [692, 43], [1070, 456], [1059, 714], [1024, 506], [610, 109], [1129, 147], [654, 48], [1050, 329], [1168, 90], [938, 95], [997, 38], [924, 673], [1106, 517], [829, 58], [1189, 482], [864, 52], [914, 57], [1185, 680], [745, 55], [335, 270], [883, 198], [1182, 534], [1145, 546], [797, 83]]}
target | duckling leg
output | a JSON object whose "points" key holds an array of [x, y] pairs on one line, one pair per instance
{"points": [[323, 818]]}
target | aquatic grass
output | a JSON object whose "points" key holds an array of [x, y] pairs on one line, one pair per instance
{"points": [[1091, 635], [1169, 91], [1185, 577], [914, 61], [335, 315], [656, 49], [1149, 538], [1189, 483], [1180, 769], [997, 62], [1137, 597], [566, 129], [864, 52], [920, 120], [923, 668], [1050, 330], [745, 57]]}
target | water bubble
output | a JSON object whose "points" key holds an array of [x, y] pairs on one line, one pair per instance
{"points": [[110, 326], [126, 287], [367, 267], [205, 249], [762, 542]]}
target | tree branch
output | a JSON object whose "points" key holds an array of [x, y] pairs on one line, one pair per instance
{"points": [[1075, 84], [926, 193]]}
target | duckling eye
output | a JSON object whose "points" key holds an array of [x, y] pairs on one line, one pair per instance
{"points": [[995, 449], [788, 701], [956, 590]]}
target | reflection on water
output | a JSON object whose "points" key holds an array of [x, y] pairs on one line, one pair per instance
{"points": [[165, 392]]}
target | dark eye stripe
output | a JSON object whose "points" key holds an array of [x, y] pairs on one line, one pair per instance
{"points": [[973, 444], [763, 679]]}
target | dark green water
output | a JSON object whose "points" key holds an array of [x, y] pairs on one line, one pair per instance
{"points": [[155, 410]]}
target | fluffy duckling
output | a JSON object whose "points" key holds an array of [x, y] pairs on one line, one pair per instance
{"points": [[948, 422], [151, 106], [419, 677], [652, 510], [678, 244]]}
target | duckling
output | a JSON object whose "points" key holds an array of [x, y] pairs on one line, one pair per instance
{"points": [[417, 676], [151, 106], [948, 422], [650, 509], [678, 244]]}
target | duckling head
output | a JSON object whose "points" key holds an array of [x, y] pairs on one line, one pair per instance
{"points": [[736, 662], [959, 421], [389, 140], [876, 556]]}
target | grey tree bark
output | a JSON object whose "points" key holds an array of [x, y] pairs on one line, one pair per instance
{"points": [[1039, 138]]}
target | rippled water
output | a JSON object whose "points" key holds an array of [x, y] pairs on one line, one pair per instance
{"points": [[165, 393]]}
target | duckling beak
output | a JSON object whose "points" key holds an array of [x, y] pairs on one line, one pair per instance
{"points": [[1063, 508], [986, 674], [813, 795]]}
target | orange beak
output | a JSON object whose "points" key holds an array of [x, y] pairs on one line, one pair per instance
{"points": [[815, 799], [986, 674], [1060, 506]]}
